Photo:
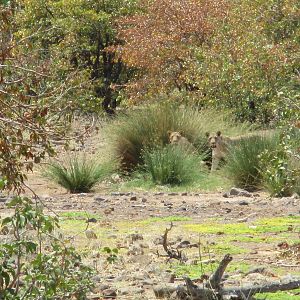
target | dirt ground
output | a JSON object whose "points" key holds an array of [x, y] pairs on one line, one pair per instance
{"points": [[261, 234]]}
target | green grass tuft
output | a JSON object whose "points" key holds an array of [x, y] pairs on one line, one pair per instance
{"points": [[172, 165], [243, 162], [148, 127], [77, 174]]}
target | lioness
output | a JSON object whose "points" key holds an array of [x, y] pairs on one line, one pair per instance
{"points": [[219, 144], [176, 138]]}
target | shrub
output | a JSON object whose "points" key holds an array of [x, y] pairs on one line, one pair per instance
{"points": [[172, 165], [243, 161], [148, 127], [280, 169], [77, 174]]}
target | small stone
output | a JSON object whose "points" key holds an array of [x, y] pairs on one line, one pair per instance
{"points": [[100, 199], [91, 220], [133, 198], [239, 192], [226, 195], [134, 237], [144, 200], [97, 278], [158, 241], [184, 244], [173, 194], [159, 194], [184, 194], [243, 202], [109, 294], [182, 209], [103, 287], [115, 194], [90, 234], [124, 291]]}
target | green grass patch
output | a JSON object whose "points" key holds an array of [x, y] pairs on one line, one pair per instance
{"points": [[168, 219], [141, 182], [290, 295], [193, 271], [81, 215], [260, 226]]}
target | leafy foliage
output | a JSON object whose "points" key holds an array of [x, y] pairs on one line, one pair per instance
{"points": [[77, 36], [161, 40], [280, 168], [30, 105], [172, 165], [40, 260], [77, 174]]}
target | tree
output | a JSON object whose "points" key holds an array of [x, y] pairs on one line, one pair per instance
{"points": [[161, 42], [77, 34], [30, 105]]}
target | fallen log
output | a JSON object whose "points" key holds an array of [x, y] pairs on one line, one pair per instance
{"points": [[213, 289]]}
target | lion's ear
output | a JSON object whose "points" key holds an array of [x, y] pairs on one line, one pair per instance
{"points": [[181, 132], [169, 133], [207, 134], [219, 133]]}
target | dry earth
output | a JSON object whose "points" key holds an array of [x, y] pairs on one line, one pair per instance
{"points": [[257, 230]]}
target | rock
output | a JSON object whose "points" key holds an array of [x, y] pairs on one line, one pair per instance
{"points": [[158, 240], [184, 194], [243, 202], [135, 250], [144, 200], [133, 237], [133, 198], [91, 220], [159, 194], [97, 278], [124, 291], [90, 234], [109, 294], [182, 209], [172, 194], [104, 286], [116, 194], [164, 291], [239, 192], [100, 199], [184, 244], [226, 195]]}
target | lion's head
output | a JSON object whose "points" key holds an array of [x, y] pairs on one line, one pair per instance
{"points": [[215, 140], [175, 137]]}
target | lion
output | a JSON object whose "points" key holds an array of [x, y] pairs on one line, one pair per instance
{"points": [[177, 138], [219, 147], [219, 144]]}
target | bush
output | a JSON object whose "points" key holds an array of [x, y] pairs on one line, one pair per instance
{"points": [[77, 174], [148, 127], [280, 169], [243, 161], [172, 165]]}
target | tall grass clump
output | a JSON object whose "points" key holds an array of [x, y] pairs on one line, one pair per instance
{"points": [[77, 174], [172, 165], [243, 160], [147, 127]]}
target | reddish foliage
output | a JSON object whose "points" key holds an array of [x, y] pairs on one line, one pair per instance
{"points": [[160, 41]]}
